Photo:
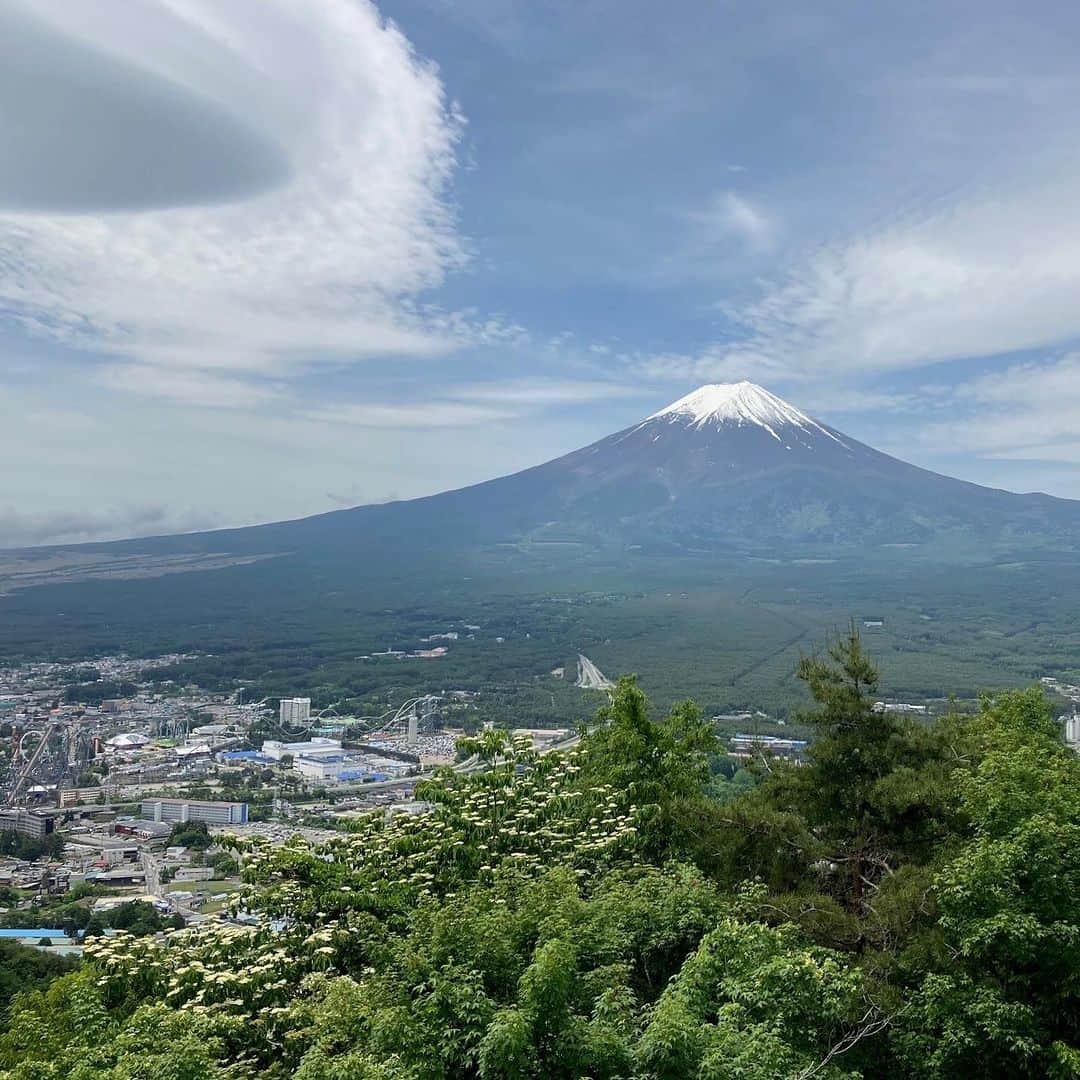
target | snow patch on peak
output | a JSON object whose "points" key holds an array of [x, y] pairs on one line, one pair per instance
{"points": [[738, 404]]}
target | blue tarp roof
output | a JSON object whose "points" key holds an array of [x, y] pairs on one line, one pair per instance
{"points": [[31, 932]]}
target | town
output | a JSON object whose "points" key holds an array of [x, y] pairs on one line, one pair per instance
{"points": [[122, 789], [124, 793]]}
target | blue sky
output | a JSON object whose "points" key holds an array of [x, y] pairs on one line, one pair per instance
{"points": [[273, 257]]}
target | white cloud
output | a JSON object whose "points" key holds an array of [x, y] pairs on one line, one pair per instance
{"points": [[1054, 384], [1025, 412], [424, 414], [732, 215], [327, 266], [1064, 452], [190, 387], [537, 393], [21, 529], [830, 401], [978, 275], [473, 404]]}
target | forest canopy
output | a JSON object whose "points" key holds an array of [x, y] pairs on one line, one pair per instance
{"points": [[906, 903]]}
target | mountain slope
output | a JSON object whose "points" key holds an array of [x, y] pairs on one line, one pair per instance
{"points": [[728, 467]]}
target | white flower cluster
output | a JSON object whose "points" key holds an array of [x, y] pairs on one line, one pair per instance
{"points": [[515, 820]]}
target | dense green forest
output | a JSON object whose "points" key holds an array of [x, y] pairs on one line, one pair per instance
{"points": [[726, 631], [906, 904]]}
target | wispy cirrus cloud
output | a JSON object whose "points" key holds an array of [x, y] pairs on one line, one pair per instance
{"points": [[421, 414], [1025, 412], [21, 529], [473, 404], [325, 266], [731, 215], [192, 387], [540, 392], [983, 273]]}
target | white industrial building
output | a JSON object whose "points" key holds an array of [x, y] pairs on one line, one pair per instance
{"points": [[324, 760], [323, 767], [349, 767], [213, 813], [274, 748]]}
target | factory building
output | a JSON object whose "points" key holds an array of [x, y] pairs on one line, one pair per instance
{"points": [[310, 748], [213, 813], [26, 823]]}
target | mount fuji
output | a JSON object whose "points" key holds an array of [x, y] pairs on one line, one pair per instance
{"points": [[733, 466], [730, 467], [729, 484], [718, 534]]}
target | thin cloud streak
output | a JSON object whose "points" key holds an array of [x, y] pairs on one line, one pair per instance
{"points": [[1025, 412], [433, 414], [473, 405], [19, 529], [187, 387]]}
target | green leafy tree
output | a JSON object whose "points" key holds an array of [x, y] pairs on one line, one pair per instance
{"points": [[662, 765], [877, 790], [225, 865], [190, 834], [1004, 1000], [758, 1002], [23, 968], [904, 905]]}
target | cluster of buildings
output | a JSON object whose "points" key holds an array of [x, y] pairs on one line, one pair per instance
{"points": [[744, 746], [322, 760], [129, 855], [402, 654], [71, 751]]}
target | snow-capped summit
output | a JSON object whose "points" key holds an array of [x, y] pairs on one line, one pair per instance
{"points": [[739, 403]]}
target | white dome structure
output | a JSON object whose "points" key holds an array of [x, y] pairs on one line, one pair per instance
{"points": [[128, 741]]}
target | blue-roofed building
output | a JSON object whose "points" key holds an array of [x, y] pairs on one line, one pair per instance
{"points": [[352, 775], [30, 935]]}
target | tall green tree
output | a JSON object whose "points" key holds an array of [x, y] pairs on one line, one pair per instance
{"points": [[1004, 998], [876, 790], [662, 765]]}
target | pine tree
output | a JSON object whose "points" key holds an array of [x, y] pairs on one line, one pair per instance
{"points": [[854, 750]]}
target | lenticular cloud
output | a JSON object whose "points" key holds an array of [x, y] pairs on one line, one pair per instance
{"points": [[326, 265]]}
